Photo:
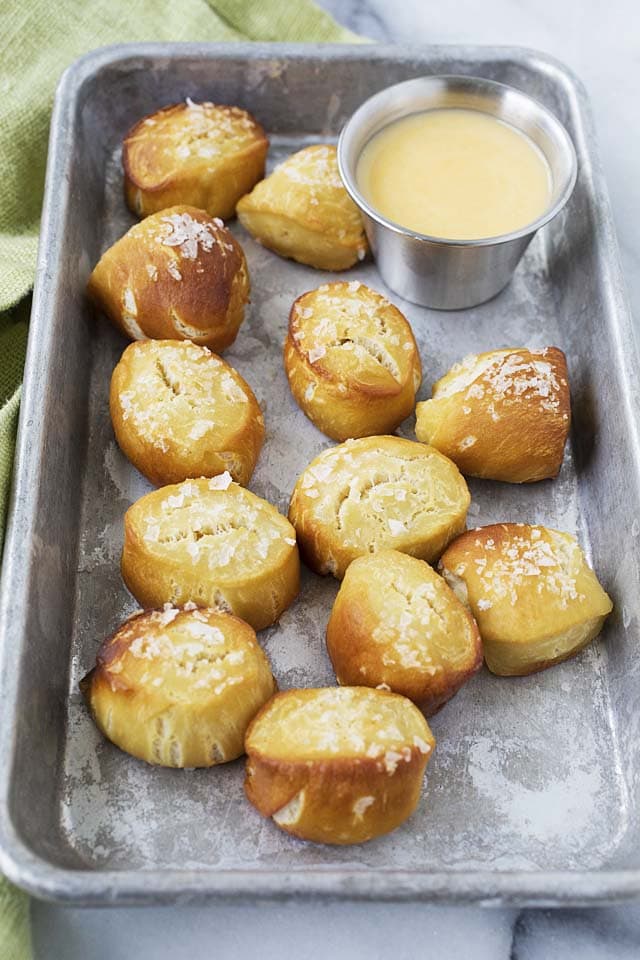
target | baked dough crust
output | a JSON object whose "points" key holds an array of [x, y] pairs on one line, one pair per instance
{"points": [[337, 765], [351, 360], [180, 411], [396, 623], [213, 543], [178, 275], [303, 211], [374, 493], [531, 591], [203, 154], [502, 415], [178, 687]]}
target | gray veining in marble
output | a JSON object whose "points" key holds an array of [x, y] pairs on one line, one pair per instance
{"points": [[601, 42]]}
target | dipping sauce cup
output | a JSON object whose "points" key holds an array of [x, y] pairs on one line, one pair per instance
{"points": [[435, 271]]}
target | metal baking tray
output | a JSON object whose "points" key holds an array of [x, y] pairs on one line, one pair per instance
{"points": [[533, 793]]}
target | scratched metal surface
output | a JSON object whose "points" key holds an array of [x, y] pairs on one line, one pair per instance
{"points": [[532, 795]]}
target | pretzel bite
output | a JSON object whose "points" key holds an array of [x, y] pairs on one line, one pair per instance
{"points": [[178, 275], [396, 622], [352, 361], [179, 411], [337, 765], [374, 493], [535, 599], [303, 211], [178, 687], [202, 154], [213, 543], [503, 415]]}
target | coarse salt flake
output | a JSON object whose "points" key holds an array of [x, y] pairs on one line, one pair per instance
{"points": [[193, 549], [397, 527], [186, 234], [361, 805], [173, 270], [315, 353], [391, 761], [221, 482], [168, 614]]}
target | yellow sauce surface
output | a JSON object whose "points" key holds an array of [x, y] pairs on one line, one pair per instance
{"points": [[456, 174]]}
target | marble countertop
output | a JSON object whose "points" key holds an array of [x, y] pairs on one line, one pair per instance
{"points": [[600, 42]]}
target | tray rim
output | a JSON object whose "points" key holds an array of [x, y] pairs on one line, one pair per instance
{"points": [[92, 886]]}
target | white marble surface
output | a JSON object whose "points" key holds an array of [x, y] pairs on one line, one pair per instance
{"points": [[601, 42]]}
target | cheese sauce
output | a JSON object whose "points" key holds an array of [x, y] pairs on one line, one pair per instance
{"points": [[456, 174]]}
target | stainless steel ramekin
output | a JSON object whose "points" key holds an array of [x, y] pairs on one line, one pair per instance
{"points": [[433, 271]]}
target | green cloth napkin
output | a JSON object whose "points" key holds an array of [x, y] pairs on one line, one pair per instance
{"points": [[38, 39]]}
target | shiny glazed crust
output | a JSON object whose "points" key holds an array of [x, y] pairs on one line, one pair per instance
{"points": [[351, 360], [531, 591], [503, 415], [178, 687], [303, 211], [201, 154], [178, 275], [337, 765], [375, 493], [214, 543], [396, 622], [179, 411]]}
